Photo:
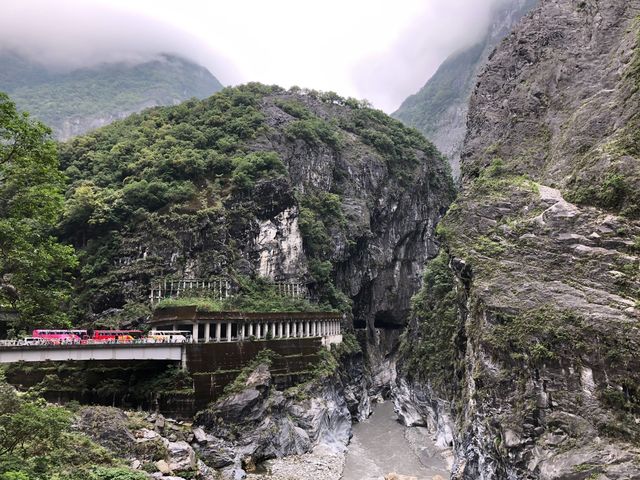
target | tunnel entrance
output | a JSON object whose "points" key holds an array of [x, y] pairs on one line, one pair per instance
{"points": [[387, 320], [359, 324]]}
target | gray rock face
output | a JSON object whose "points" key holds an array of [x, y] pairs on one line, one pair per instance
{"points": [[252, 426], [390, 207], [390, 226], [540, 242], [108, 427], [439, 109]]}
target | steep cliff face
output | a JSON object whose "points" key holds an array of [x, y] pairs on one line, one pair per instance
{"points": [[439, 109], [257, 181], [542, 254], [75, 102]]}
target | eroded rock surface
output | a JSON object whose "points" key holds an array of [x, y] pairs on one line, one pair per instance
{"points": [[260, 423], [542, 243]]}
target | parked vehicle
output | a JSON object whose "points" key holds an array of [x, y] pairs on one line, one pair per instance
{"points": [[60, 336], [115, 336], [31, 341]]}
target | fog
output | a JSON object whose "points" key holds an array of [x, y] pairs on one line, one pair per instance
{"points": [[379, 50]]}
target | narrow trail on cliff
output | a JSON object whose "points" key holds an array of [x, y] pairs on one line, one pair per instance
{"points": [[379, 446]]}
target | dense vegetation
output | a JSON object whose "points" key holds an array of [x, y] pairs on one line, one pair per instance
{"points": [[105, 91], [429, 344], [254, 295], [37, 442], [34, 266]]}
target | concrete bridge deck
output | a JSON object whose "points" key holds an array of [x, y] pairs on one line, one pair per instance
{"points": [[113, 351]]}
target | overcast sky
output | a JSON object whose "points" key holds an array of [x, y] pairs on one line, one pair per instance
{"points": [[379, 50]]}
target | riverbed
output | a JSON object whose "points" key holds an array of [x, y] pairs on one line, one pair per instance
{"points": [[381, 445]]}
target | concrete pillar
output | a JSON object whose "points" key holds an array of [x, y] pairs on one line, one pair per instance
{"points": [[279, 329], [207, 331], [258, 330], [251, 334], [228, 331], [218, 331], [294, 329], [194, 334], [287, 330], [273, 330], [306, 329], [175, 327]]}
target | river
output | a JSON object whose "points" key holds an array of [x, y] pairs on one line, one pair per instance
{"points": [[381, 445]]}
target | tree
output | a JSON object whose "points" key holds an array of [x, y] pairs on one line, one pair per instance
{"points": [[34, 266], [28, 425]]}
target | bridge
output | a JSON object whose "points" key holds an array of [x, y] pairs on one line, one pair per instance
{"points": [[208, 328], [113, 351]]}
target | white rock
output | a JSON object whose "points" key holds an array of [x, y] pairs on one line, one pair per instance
{"points": [[181, 456], [163, 467], [200, 435]]}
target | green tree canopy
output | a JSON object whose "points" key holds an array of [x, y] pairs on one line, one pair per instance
{"points": [[34, 266]]}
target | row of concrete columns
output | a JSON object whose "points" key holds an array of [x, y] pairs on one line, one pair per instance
{"points": [[260, 330]]}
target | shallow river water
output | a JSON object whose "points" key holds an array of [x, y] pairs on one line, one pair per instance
{"points": [[381, 445]]}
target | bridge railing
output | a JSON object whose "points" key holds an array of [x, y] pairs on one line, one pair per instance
{"points": [[217, 289]]}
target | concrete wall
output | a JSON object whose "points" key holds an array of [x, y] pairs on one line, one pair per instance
{"points": [[149, 351], [214, 366]]}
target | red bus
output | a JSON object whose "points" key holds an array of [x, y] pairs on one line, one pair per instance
{"points": [[116, 336], [60, 336]]}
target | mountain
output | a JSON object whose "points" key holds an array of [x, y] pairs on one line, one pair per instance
{"points": [[74, 102], [439, 109], [522, 352], [256, 182]]}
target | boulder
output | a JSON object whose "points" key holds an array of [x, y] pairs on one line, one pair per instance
{"points": [[260, 378], [145, 434], [216, 453], [160, 421], [181, 456], [240, 408], [199, 435], [108, 427], [163, 467]]}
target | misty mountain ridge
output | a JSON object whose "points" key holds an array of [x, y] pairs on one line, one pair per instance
{"points": [[439, 109], [75, 101]]}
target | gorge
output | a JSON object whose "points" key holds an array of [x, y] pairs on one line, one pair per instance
{"points": [[497, 320]]}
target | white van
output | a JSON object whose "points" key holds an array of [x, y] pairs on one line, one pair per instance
{"points": [[31, 341]]}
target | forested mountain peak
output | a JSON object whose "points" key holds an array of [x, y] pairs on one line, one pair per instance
{"points": [[73, 101], [255, 181]]}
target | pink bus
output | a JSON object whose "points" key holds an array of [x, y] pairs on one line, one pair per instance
{"points": [[60, 336]]}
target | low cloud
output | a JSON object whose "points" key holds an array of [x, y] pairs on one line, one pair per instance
{"points": [[374, 49], [444, 27], [69, 34]]}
